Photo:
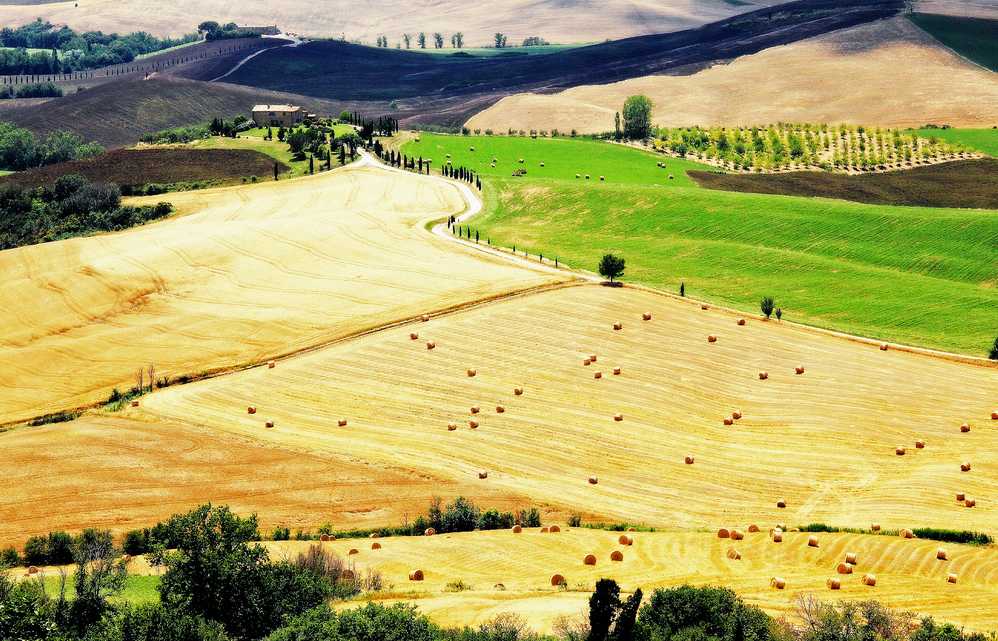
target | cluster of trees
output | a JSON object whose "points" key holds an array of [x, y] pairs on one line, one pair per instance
{"points": [[499, 40], [228, 128], [456, 40], [534, 41], [805, 146], [462, 515], [63, 50], [32, 90], [177, 135], [20, 149], [70, 207], [215, 31]]}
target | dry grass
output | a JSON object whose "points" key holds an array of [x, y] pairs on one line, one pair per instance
{"points": [[255, 272], [850, 76], [556, 21], [824, 441]]}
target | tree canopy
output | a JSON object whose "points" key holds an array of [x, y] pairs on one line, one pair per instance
{"points": [[637, 117]]}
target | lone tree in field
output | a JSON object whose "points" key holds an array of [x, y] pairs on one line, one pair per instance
{"points": [[993, 354], [637, 117], [767, 305], [500, 40], [421, 39], [611, 267], [682, 289]]}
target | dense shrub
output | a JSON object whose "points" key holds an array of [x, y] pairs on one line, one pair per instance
{"points": [[59, 548], [953, 536], [20, 149], [689, 613], [177, 135], [158, 623]]}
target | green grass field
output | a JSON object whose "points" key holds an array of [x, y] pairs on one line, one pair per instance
{"points": [[921, 276], [273, 148], [138, 590], [972, 38], [983, 140]]}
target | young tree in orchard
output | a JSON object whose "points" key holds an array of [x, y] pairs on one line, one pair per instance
{"points": [[611, 267], [500, 40], [421, 40], [438, 40], [457, 40], [637, 117]]}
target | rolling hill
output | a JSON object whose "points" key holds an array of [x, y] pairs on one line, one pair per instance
{"points": [[850, 76]]}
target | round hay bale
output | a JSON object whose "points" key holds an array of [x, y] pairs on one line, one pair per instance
{"points": [[597, 375], [500, 409], [778, 582], [965, 428], [965, 467], [32, 569], [781, 503], [578, 176], [451, 427], [475, 409], [618, 417], [251, 409], [616, 371], [851, 558], [729, 421], [342, 422], [424, 317], [616, 555], [587, 176], [919, 444], [517, 529], [733, 554], [373, 535], [900, 451], [870, 580], [618, 326], [646, 316], [631, 529], [590, 559], [483, 475], [430, 344], [623, 539], [542, 164], [711, 338], [883, 347], [413, 336], [554, 529], [473, 425], [602, 178], [544, 530], [752, 528], [557, 580], [593, 480], [353, 551], [688, 459], [723, 534], [472, 373], [905, 533], [587, 362], [271, 364], [994, 415], [737, 414], [875, 527], [517, 391], [325, 537], [763, 376], [960, 497], [843, 568], [741, 322], [777, 537], [951, 578], [812, 541], [269, 424], [941, 555], [833, 584], [429, 532], [416, 575], [135, 403], [969, 503], [704, 307], [375, 546], [798, 370]]}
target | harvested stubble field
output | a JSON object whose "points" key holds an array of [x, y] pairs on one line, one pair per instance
{"points": [[253, 272], [165, 165], [908, 574], [823, 441]]}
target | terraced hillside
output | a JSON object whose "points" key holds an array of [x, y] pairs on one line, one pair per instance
{"points": [[249, 273], [823, 441]]}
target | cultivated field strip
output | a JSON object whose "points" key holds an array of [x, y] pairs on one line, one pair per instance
{"points": [[246, 274], [824, 442], [908, 574]]}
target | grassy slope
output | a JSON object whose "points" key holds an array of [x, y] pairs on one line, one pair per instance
{"points": [[916, 275], [972, 38], [138, 589], [274, 148], [983, 140]]}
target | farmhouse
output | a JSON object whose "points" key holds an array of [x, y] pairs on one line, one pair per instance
{"points": [[277, 115]]}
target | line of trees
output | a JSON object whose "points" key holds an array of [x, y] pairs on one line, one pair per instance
{"points": [[456, 40]]}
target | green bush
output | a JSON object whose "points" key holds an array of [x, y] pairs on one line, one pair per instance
{"points": [[953, 536], [693, 613], [59, 548]]}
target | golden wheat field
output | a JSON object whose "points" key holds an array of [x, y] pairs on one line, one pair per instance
{"points": [[823, 441], [848, 76], [239, 275], [507, 572]]}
